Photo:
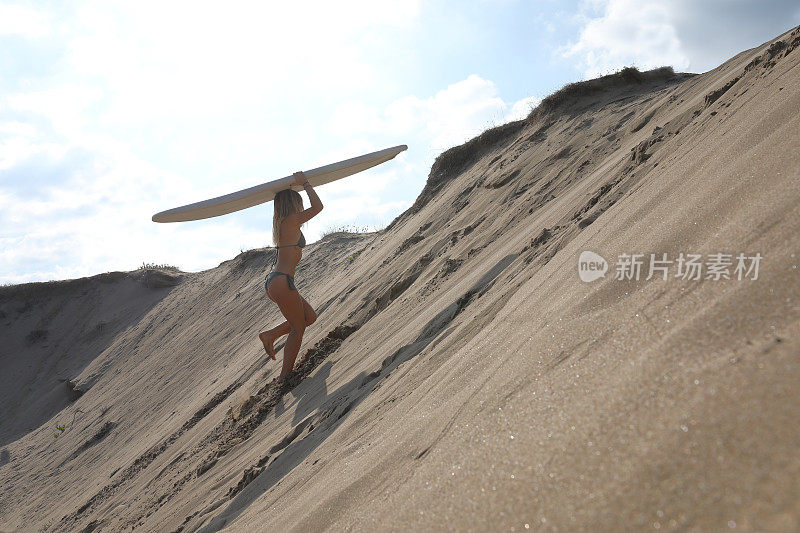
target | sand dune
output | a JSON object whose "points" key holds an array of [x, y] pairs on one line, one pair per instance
{"points": [[460, 375]]}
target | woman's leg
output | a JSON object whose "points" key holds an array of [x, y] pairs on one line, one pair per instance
{"points": [[269, 337], [291, 305], [308, 312]]}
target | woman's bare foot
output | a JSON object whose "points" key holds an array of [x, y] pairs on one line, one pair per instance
{"points": [[266, 340]]}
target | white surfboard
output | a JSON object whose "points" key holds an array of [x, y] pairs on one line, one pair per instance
{"points": [[229, 203]]}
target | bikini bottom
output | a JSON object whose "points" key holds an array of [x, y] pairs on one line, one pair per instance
{"points": [[272, 275]]}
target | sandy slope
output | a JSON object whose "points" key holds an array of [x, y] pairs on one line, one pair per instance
{"points": [[460, 375]]}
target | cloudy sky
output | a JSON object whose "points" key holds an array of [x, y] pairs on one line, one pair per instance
{"points": [[111, 111]]}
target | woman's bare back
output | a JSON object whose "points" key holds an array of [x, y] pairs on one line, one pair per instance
{"points": [[289, 254]]}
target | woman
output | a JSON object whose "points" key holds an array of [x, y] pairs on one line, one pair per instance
{"points": [[286, 221]]}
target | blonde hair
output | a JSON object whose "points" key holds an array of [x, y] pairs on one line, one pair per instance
{"points": [[287, 202]]}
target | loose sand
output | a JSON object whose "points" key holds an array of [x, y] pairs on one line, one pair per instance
{"points": [[460, 375]]}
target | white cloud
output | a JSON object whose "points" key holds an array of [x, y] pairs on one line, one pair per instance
{"points": [[93, 217], [138, 113], [64, 107], [19, 20], [451, 116], [626, 32], [713, 31], [15, 150], [522, 108], [210, 58], [205, 84]]}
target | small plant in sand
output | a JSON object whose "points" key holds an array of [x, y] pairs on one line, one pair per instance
{"points": [[146, 266], [350, 228], [60, 428], [353, 257]]}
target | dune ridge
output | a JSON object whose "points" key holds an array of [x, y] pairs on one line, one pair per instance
{"points": [[460, 375]]}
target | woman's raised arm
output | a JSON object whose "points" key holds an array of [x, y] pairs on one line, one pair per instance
{"points": [[316, 203]]}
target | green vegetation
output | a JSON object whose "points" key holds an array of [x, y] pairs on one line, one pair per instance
{"points": [[61, 428]]}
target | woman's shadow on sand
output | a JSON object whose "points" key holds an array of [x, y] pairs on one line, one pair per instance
{"points": [[310, 396], [331, 410], [321, 414]]}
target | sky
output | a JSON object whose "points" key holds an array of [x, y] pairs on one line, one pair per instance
{"points": [[111, 111]]}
